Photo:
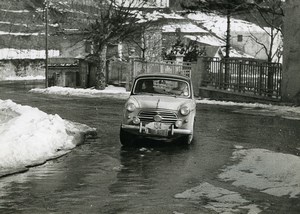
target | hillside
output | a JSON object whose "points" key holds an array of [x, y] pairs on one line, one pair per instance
{"points": [[22, 24]]}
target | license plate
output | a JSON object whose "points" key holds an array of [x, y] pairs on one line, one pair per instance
{"points": [[157, 125], [157, 128], [159, 132]]}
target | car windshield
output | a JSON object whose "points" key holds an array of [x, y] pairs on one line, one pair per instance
{"points": [[171, 87]]}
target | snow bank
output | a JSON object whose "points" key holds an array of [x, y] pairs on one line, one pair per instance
{"points": [[25, 78], [287, 112], [30, 136], [12, 53], [273, 173], [110, 91]]}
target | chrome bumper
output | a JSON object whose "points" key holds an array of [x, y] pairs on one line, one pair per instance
{"points": [[142, 129]]}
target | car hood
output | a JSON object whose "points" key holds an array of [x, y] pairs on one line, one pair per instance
{"points": [[160, 102]]}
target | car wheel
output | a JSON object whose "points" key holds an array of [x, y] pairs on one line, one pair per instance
{"points": [[126, 139]]}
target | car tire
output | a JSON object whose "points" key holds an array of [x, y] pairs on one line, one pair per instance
{"points": [[188, 139], [126, 138]]}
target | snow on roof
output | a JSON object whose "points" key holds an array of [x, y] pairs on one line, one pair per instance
{"points": [[218, 24], [11, 53], [144, 4], [233, 53], [184, 27], [15, 11], [20, 34], [156, 15], [214, 41], [207, 39]]}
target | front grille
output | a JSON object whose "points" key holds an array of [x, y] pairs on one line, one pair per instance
{"points": [[167, 116]]}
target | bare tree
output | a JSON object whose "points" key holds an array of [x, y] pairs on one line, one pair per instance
{"points": [[116, 21], [103, 22], [222, 7], [148, 42], [269, 12], [268, 15], [270, 20]]}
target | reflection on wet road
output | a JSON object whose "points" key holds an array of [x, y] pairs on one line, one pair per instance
{"points": [[102, 177]]}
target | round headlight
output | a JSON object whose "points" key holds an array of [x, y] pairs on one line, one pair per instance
{"points": [[130, 107], [184, 110], [136, 120], [178, 123]]}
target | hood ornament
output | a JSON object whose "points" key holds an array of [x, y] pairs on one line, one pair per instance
{"points": [[157, 103], [157, 118]]}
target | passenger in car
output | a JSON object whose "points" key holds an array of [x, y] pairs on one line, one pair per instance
{"points": [[148, 86], [181, 89]]}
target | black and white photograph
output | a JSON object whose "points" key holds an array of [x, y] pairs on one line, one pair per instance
{"points": [[149, 107]]}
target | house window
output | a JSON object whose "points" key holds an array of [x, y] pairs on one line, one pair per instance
{"points": [[240, 38]]}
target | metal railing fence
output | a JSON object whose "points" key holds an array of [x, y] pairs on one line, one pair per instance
{"points": [[244, 76]]}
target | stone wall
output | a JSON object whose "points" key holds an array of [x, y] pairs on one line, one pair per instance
{"points": [[21, 68], [291, 53]]}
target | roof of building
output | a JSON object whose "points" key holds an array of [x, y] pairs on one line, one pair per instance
{"points": [[185, 27], [206, 39]]}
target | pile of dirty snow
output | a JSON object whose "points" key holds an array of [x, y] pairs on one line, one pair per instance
{"points": [[30, 136]]}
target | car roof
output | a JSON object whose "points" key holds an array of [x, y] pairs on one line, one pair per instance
{"points": [[163, 75]]}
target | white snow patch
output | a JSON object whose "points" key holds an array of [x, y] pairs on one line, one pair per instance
{"points": [[238, 147], [15, 11], [11, 53], [218, 199], [218, 24], [207, 39], [273, 173], [111, 91], [30, 136], [184, 28], [288, 112], [156, 15], [20, 34], [17, 78]]}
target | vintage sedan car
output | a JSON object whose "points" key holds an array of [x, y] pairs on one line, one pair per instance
{"points": [[160, 107]]}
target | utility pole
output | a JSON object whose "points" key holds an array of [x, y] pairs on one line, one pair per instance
{"points": [[46, 43]]}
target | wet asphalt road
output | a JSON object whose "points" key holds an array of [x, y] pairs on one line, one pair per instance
{"points": [[102, 177]]}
